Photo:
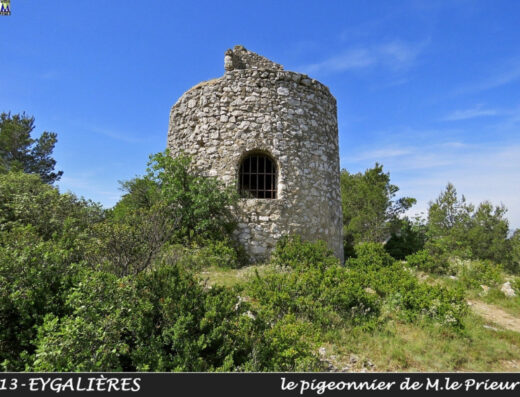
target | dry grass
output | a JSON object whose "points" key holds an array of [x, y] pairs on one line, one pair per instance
{"points": [[232, 277], [426, 348]]}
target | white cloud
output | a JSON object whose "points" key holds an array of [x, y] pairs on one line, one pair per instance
{"points": [[398, 52], [351, 59], [472, 113], [382, 153], [394, 54]]}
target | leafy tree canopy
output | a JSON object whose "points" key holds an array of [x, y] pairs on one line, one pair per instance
{"points": [[20, 152], [370, 210], [456, 227], [171, 204]]}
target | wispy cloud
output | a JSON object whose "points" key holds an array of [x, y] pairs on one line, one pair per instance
{"points": [[350, 59], [89, 126], [118, 136], [395, 54], [477, 111], [87, 185], [507, 73], [382, 153]]}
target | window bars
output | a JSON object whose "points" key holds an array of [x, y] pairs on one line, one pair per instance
{"points": [[257, 177]]}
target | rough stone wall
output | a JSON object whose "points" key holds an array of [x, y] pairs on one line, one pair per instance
{"points": [[258, 107], [240, 58]]}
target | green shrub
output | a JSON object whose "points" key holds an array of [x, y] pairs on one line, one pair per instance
{"points": [[409, 240], [442, 304], [26, 200], [472, 274], [221, 253], [370, 255], [35, 279], [513, 264], [323, 297], [515, 283], [296, 253], [287, 346], [160, 320], [165, 320], [199, 206], [422, 260], [171, 205], [442, 255], [313, 287], [99, 335], [328, 295], [402, 292]]}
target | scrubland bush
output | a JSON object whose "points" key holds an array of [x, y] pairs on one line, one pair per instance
{"points": [[164, 320], [292, 251], [400, 289], [86, 289], [474, 273], [35, 279], [315, 288], [408, 239], [422, 260], [220, 254], [354, 294]]}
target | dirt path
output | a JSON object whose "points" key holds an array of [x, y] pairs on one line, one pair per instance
{"points": [[495, 315]]}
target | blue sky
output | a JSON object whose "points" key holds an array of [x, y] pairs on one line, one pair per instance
{"points": [[430, 89]]}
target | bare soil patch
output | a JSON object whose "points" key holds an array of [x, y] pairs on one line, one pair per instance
{"points": [[495, 315]]}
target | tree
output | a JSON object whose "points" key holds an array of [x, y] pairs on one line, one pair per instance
{"points": [[370, 212], [20, 152], [514, 241], [172, 204], [456, 228], [449, 221], [26, 200], [409, 239], [42, 235], [487, 236], [200, 205]]}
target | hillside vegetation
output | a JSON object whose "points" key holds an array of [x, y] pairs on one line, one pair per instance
{"points": [[158, 283]]}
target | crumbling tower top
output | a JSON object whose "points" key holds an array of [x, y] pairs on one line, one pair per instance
{"points": [[240, 58]]}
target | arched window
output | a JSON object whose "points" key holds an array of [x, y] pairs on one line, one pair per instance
{"points": [[257, 177]]}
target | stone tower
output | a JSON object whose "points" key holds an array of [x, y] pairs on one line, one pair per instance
{"points": [[274, 135]]}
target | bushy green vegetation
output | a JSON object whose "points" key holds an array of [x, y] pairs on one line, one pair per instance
{"points": [[456, 229], [401, 291], [125, 289], [325, 293], [316, 289], [408, 239], [370, 212], [82, 288], [453, 229], [160, 320]]}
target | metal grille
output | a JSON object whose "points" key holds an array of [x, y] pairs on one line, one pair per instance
{"points": [[257, 177]]}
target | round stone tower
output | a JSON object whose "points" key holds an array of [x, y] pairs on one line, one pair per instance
{"points": [[274, 135]]}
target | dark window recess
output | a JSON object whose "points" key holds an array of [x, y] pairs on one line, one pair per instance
{"points": [[257, 177]]}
